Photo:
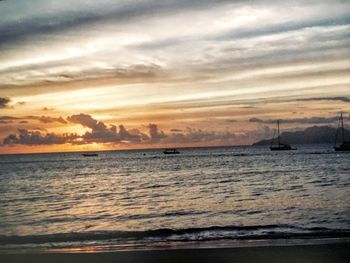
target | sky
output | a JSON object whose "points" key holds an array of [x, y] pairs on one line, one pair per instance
{"points": [[80, 75]]}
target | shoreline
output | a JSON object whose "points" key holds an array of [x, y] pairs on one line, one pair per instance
{"points": [[110, 245], [107, 246], [329, 252]]}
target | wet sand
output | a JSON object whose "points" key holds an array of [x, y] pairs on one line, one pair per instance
{"points": [[297, 253]]}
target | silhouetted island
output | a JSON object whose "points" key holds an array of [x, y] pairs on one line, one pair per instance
{"points": [[311, 135]]}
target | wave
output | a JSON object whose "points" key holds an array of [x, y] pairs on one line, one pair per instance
{"points": [[254, 232]]}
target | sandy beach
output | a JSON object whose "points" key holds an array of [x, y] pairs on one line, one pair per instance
{"points": [[300, 253]]}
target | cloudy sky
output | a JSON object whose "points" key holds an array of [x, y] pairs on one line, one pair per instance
{"points": [[94, 75]]}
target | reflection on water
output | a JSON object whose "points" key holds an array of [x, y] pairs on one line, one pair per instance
{"points": [[50, 194]]}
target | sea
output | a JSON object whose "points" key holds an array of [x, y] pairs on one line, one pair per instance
{"points": [[144, 199]]}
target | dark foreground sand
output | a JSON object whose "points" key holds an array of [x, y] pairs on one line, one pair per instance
{"points": [[299, 254]]}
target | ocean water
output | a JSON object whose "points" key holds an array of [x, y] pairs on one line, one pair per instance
{"points": [[141, 199]]}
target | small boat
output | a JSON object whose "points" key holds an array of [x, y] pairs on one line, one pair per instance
{"points": [[345, 145], [280, 146], [90, 154], [171, 151]]}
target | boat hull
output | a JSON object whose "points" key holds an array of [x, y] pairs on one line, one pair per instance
{"points": [[282, 148], [342, 149], [171, 151]]}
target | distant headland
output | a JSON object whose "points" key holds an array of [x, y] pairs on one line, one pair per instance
{"points": [[311, 135]]}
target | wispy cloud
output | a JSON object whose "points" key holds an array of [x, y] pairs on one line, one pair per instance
{"points": [[311, 120], [342, 99], [7, 118], [47, 119], [42, 119]]}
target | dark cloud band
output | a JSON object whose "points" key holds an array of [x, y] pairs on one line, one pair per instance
{"points": [[111, 134], [4, 102]]}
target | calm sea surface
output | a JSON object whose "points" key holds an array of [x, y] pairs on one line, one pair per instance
{"points": [[140, 198]]}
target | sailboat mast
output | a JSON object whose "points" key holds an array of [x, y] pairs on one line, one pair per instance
{"points": [[342, 126], [278, 131]]}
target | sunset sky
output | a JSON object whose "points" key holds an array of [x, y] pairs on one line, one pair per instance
{"points": [[96, 75]]}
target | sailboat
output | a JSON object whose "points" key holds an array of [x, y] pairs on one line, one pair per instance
{"points": [[345, 146], [280, 146]]}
